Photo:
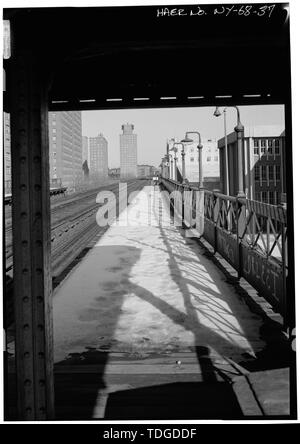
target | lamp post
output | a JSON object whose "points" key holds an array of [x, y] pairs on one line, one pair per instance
{"points": [[183, 161], [217, 113], [163, 167], [167, 165], [175, 163], [171, 168], [239, 129], [199, 147], [167, 156], [171, 157], [170, 164]]}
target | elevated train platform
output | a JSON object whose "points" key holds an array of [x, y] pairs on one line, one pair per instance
{"points": [[147, 327], [196, 333]]}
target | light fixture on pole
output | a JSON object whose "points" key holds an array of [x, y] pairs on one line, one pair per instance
{"points": [[171, 168], [175, 163], [167, 166], [239, 129], [168, 158], [199, 147], [163, 167], [170, 164], [218, 113], [183, 161]]}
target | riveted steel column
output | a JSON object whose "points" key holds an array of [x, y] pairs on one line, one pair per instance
{"points": [[31, 238]]}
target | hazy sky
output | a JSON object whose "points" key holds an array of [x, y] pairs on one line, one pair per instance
{"points": [[154, 126]]}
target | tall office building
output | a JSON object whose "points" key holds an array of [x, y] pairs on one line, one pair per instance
{"points": [[65, 149], [85, 149], [98, 161], [85, 158], [128, 152], [264, 171]]}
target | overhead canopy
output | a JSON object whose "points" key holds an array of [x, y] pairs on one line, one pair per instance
{"points": [[97, 55]]}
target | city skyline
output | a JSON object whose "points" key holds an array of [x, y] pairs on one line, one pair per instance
{"points": [[155, 126]]}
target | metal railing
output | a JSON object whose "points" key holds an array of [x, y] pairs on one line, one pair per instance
{"points": [[250, 235]]}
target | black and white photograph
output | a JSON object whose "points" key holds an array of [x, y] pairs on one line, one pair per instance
{"points": [[148, 202]]}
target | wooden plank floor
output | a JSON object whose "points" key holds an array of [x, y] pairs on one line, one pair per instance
{"points": [[166, 388], [160, 387]]}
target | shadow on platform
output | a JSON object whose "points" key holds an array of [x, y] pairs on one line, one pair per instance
{"points": [[83, 394], [203, 400], [88, 392]]}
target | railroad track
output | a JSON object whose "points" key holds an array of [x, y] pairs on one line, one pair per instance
{"points": [[69, 238], [81, 197], [67, 217], [64, 202], [72, 229]]}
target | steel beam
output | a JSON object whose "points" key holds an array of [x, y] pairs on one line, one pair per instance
{"points": [[31, 238]]}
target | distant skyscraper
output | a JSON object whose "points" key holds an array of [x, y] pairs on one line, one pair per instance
{"points": [[85, 158], [128, 152], [98, 162], [85, 149], [65, 149]]}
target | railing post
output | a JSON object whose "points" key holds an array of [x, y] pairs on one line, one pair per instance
{"points": [[241, 224], [286, 321], [238, 255], [216, 214], [201, 217], [182, 204]]}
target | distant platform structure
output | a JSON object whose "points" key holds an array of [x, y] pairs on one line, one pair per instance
{"points": [[57, 190], [53, 192]]}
